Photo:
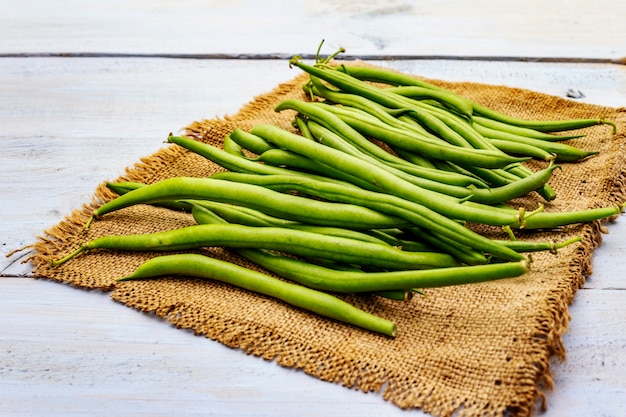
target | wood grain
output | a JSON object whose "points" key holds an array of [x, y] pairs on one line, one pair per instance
{"points": [[481, 28], [71, 123]]}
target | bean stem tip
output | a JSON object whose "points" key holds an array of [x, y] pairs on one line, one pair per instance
{"points": [[57, 262]]}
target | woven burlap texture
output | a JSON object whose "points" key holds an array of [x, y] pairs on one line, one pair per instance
{"points": [[477, 350]]}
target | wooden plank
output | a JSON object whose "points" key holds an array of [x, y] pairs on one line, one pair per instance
{"points": [[383, 27], [86, 355], [591, 381]]}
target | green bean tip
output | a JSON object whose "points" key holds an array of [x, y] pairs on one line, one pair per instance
{"points": [[554, 246], [294, 60], [57, 262], [88, 223], [610, 123]]}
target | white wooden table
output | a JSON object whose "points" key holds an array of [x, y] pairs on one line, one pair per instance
{"points": [[88, 87]]}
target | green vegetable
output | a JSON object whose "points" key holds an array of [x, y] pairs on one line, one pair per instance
{"points": [[200, 266]]}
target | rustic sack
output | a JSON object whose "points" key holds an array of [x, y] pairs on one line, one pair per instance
{"points": [[479, 350]]}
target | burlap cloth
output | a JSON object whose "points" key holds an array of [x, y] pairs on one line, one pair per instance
{"points": [[479, 350]]}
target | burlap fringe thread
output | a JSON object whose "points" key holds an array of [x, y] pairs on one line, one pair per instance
{"points": [[441, 385]]}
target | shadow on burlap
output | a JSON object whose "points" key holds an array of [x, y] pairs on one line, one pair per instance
{"points": [[479, 350]]}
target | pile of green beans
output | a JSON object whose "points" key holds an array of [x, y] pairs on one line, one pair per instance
{"points": [[370, 196]]}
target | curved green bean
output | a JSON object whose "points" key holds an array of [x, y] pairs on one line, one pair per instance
{"points": [[249, 141], [484, 195], [200, 266], [522, 149], [526, 246], [365, 146], [386, 182], [286, 206], [562, 151], [294, 241], [417, 214], [124, 187], [246, 165], [353, 85], [449, 100], [397, 79], [204, 212], [232, 147], [326, 279], [521, 131], [542, 125]]}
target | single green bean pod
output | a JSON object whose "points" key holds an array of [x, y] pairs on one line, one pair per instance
{"points": [[204, 267], [298, 242]]}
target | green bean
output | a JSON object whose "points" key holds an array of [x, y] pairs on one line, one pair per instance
{"points": [[526, 246], [249, 141], [398, 79], [238, 164], [293, 241], [204, 215], [325, 279], [367, 108], [462, 132], [385, 181], [302, 126], [236, 214], [552, 220], [345, 280], [329, 138], [521, 131], [351, 100], [421, 160], [324, 134], [389, 77], [285, 159], [233, 147], [124, 187], [405, 139], [522, 186], [497, 176], [542, 125], [204, 267], [323, 116], [494, 176], [475, 138], [449, 100], [398, 295], [417, 214], [521, 171], [563, 152], [289, 207], [400, 242], [319, 277], [353, 85], [414, 124], [463, 253], [223, 158], [522, 149], [204, 212], [483, 195]]}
